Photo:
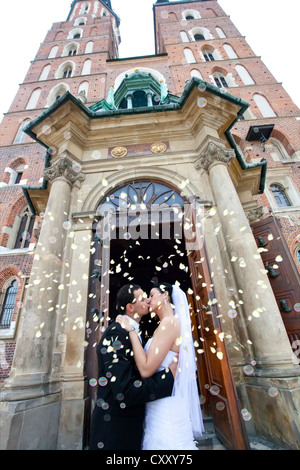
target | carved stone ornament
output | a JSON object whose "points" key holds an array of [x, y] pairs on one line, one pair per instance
{"points": [[213, 153], [66, 169], [255, 214], [158, 148], [119, 152]]}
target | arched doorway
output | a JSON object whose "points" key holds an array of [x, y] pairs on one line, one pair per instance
{"points": [[146, 232]]}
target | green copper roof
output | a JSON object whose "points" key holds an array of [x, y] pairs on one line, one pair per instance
{"points": [[136, 81], [104, 110]]}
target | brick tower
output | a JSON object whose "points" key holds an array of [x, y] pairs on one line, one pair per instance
{"points": [[72, 58], [202, 116]]}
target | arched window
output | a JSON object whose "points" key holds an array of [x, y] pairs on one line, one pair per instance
{"points": [[229, 51], [84, 86], [65, 70], [196, 73], [189, 56], [19, 173], [57, 92], [244, 74], [45, 72], [184, 37], [86, 67], [9, 297], [70, 49], [139, 99], [26, 223], [89, 47], [199, 37], [208, 56], [199, 34], [53, 52], [264, 106], [190, 15], [34, 99], [80, 21], [75, 33], [220, 80], [144, 193], [21, 136], [279, 152], [280, 195], [220, 32]]}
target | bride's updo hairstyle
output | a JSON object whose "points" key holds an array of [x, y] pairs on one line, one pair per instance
{"points": [[164, 287]]}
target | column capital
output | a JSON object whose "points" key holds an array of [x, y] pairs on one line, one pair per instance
{"points": [[64, 168], [212, 154]]}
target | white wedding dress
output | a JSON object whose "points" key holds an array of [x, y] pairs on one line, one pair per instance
{"points": [[167, 424]]}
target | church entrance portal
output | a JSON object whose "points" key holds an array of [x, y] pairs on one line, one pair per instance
{"points": [[144, 261]]}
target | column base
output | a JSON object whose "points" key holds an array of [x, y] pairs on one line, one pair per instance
{"points": [[275, 409], [28, 386], [30, 424]]}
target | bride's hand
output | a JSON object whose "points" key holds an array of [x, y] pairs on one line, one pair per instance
{"points": [[123, 321]]}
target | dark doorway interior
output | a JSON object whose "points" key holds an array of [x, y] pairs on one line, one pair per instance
{"points": [[145, 262]]}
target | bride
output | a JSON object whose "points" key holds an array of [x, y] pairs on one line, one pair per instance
{"points": [[171, 423]]}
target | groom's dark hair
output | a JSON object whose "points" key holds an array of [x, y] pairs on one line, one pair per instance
{"points": [[125, 296]]}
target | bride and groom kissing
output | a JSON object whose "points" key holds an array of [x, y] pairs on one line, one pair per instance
{"points": [[147, 397]]}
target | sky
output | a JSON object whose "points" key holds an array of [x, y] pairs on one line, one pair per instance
{"points": [[271, 28]]}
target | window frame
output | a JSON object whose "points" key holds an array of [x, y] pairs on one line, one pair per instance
{"points": [[283, 194], [4, 296]]}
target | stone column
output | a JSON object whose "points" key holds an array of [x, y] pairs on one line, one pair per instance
{"points": [[73, 404], [31, 371], [149, 99], [129, 101], [271, 346]]}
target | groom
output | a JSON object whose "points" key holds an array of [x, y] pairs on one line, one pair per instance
{"points": [[118, 416]]}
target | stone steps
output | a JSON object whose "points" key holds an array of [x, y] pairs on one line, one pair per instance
{"points": [[209, 440]]}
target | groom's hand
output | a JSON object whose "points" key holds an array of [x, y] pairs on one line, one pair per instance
{"points": [[173, 366]]}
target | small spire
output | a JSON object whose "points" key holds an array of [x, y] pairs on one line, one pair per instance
{"points": [[163, 91], [107, 3], [110, 97]]}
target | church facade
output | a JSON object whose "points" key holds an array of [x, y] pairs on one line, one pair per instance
{"points": [[181, 166]]}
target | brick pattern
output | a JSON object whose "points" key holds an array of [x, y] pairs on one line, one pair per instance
{"points": [[7, 350]]}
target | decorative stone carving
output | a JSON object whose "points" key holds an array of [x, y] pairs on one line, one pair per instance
{"points": [[158, 148], [66, 169], [213, 153], [82, 96], [255, 214], [119, 152]]}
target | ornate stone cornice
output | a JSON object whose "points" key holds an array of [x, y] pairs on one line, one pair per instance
{"points": [[213, 153], [64, 168]]}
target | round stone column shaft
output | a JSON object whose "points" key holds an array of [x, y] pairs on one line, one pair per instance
{"points": [[266, 330], [33, 355]]}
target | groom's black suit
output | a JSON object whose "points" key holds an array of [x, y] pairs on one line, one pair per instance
{"points": [[118, 416]]}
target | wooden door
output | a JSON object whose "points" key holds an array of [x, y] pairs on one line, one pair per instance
{"points": [[219, 389], [283, 275]]}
